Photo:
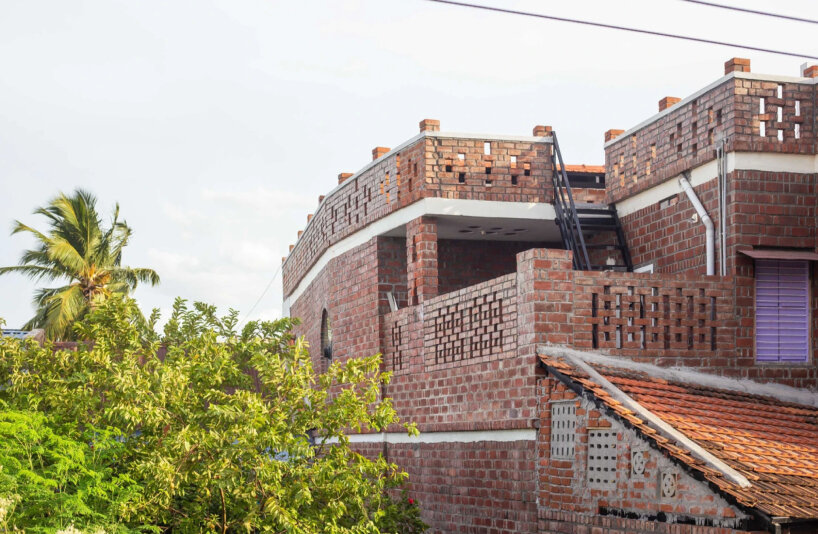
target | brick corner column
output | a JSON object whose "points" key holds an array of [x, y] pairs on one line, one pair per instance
{"points": [[421, 259], [545, 287]]}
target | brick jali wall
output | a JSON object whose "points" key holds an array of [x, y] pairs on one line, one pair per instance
{"points": [[431, 167], [455, 361], [686, 136], [669, 320]]}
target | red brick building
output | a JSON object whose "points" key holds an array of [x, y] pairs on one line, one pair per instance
{"points": [[623, 349]]}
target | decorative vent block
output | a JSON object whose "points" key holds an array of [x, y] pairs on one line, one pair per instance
{"points": [[602, 459], [563, 429], [638, 462], [668, 482]]}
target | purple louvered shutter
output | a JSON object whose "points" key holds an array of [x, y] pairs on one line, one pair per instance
{"points": [[782, 311]]}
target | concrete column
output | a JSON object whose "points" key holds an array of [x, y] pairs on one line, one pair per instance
{"points": [[421, 259]]}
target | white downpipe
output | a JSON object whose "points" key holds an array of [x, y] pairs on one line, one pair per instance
{"points": [[709, 234]]}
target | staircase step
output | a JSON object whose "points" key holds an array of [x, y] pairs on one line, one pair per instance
{"points": [[584, 207], [600, 225], [615, 267]]}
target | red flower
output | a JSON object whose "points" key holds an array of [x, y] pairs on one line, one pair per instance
{"points": [[411, 501]]}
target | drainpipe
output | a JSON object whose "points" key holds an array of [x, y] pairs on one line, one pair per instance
{"points": [[709, 234]]}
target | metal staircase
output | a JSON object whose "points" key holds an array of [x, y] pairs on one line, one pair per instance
{"points": [[587, 227]]}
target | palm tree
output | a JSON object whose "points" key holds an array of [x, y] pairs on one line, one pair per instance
{"points": [[76, 249]]}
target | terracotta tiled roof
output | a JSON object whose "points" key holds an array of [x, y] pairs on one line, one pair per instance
{"points": [[595, 169], [772, 443]]}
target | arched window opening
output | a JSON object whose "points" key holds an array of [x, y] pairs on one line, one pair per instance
{"points": [[326, 336]]}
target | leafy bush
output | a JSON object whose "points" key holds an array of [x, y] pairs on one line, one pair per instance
{"points": [[201, 428]]}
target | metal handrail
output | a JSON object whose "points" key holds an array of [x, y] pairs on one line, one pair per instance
{"points": [[574, 234]]}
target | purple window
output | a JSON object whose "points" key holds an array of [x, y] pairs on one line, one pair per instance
{"points": [[782, 311]]}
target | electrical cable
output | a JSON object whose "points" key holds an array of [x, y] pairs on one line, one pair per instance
{"points": [[266, 289], [622, 28], [752, 11]]}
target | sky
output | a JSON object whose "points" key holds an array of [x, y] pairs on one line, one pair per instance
{"points": [[217, 124]]}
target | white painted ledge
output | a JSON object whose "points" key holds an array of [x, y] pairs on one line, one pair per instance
{"points": [[526, 434], [736, 161]]}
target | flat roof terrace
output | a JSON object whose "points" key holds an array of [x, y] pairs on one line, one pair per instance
{"points": [[478, 180]]}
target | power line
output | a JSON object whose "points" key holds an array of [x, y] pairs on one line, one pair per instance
{"points": [[623, 28], [752, 11], [266, 289]]}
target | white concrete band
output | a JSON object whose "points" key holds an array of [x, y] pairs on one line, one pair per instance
{"points": [[427, 206], [526, 434], [736, 161]]}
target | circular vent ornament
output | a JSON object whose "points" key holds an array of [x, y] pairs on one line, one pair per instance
{"points": [[638, 462], [668, 484]]}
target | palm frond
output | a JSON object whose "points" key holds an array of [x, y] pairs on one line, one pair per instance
{"points": [[64, 253], [80, 248], [63, 309], [35, 272], [21, 227], [133, 275]]}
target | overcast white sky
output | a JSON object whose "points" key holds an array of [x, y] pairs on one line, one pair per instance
{"points": [[217, 124]]}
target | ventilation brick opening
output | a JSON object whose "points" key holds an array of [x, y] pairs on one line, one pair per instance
{"points": [[514, 180], [487, 148], [602, 459], [563, 429], [461, 177]]}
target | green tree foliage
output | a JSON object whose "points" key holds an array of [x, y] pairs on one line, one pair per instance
{"points": [[49, 481], [209, 429], [78, 250]]}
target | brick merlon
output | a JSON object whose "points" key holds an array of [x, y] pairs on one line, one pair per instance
{"points": [[668, 101], [379, 151], [542, 131], [429, 125], [613, 134], [737, 64]]}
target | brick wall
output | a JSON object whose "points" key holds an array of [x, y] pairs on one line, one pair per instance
{"points": [[765, 209], [454, 360], [464, 263], [485, 486], [686, 136], [421, 260], [456, 368], [683, 138], [513, 171], [348, 289], [392, 273], [556, 522], [665, 234], [670, 320]]}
